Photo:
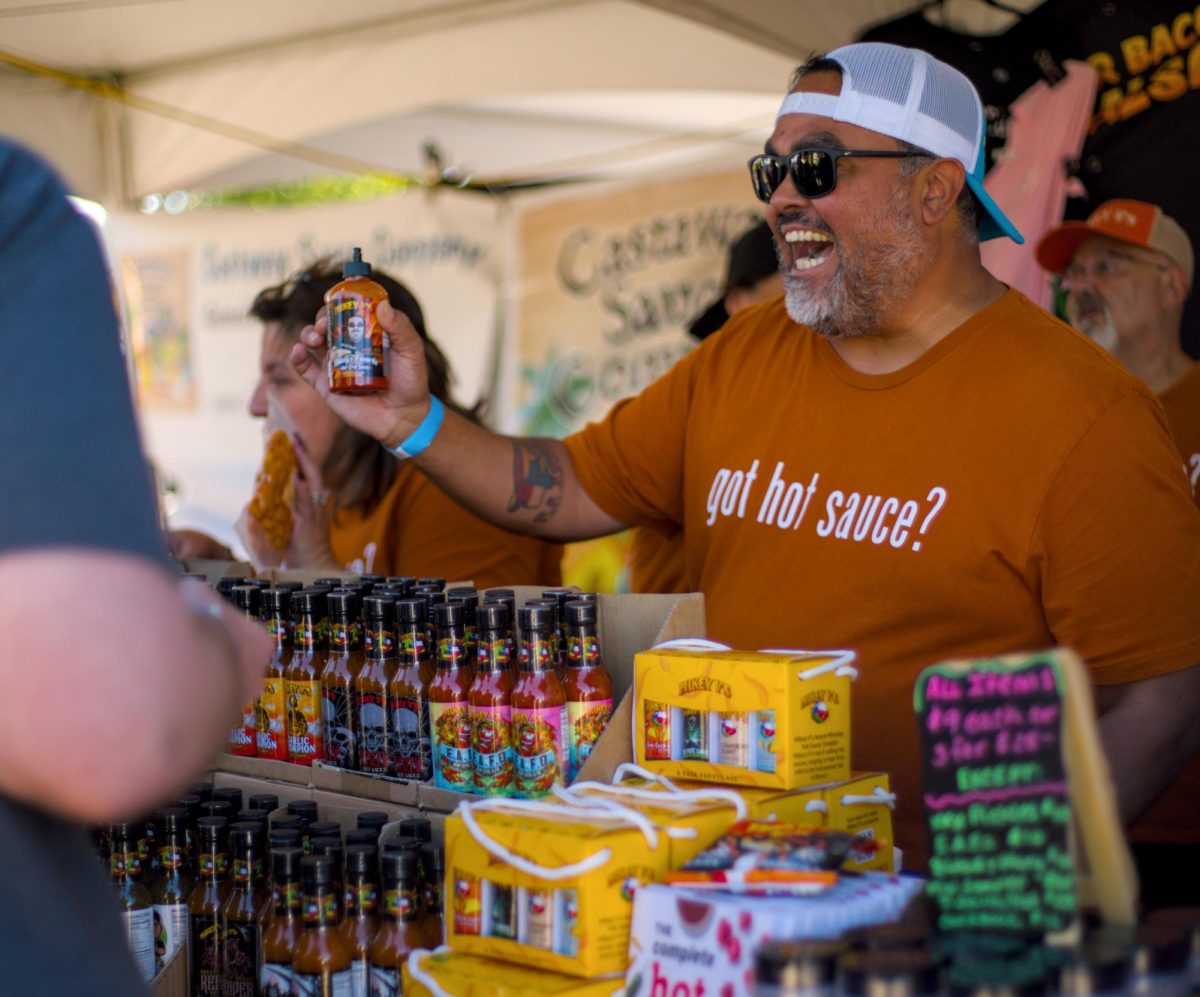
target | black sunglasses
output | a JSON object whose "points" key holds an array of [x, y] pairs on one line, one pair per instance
{"points": [[813, 171]]}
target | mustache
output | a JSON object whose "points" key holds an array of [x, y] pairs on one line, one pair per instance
{"points": [[1086, 299], [802, 218]]}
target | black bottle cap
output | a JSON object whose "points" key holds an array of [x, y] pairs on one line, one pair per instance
{"points": [[580, 614], [226, 585], [404, 581], [363, 836], [494, 616], [399, 867], [212, 829], [305, 809], [246, 834], [343, 605], [277, 601], [412, 612], [329, 583], [172, 820], [289, 586], [402, 843], [202, 789], [446, 615], [287, 822], [362, 860], [284, 837], [325, 829], [124, 830], [381, 608], [371, 818], [318, 870], [356, 266], [259, 817], [327, 845], [285, 863], [469, 603], [374, 579], [432, 861], [420, 828], [539, 618], [248, 598], [502, 595], [216, 808], [231, 794], [191, 803], [308, 602], [462, 592], [432, 582], [797, 965], [587, 597], [263, 801]]}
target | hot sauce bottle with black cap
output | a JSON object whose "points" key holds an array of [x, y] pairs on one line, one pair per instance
{"points": [[302, 685], [400, 928], [337, 680], [433, 892], [283, 928], [321, 960], [357, 362], [271, 716], [137, 907], [539, 708], [361, 919], [174, 885], [371, 709], [588, 685], [243, 737], [408, 695], [449, 708], [205, 949], [490, 699], [244, 912]]}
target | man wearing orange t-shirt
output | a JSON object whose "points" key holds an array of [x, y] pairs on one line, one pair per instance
{"points": [[1126, 273], [900, 456]]}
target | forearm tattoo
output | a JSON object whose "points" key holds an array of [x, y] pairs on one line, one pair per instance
{"points": [[537, 479]]}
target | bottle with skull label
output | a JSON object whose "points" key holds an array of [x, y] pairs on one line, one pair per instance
{"points": [[302, 684], [408, 696], [539, 708], [490, 699], [371, 687], [449, 708], [344, 663], [357, 361]]}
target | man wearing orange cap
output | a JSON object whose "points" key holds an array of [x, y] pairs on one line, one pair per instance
{"points": [[1126, 273]]}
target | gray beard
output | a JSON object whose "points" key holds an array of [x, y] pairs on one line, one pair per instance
{"points": [[867, 283]]}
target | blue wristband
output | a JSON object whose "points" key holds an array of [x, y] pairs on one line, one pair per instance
{"points": [[423, 435]]}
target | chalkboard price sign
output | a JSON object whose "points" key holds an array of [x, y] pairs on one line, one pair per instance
{"points": [[996, 794]]}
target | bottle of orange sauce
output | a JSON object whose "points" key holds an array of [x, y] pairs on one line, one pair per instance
{"points": [[490, 699], [302, 682], [271, 715], [539, 708], [357, 358], [321, 961], [449, 707], [588, 685]]}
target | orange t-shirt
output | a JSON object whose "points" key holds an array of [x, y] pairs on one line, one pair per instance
{"points": [[417, 529], [1012, 489], [1182, 404], [656, 561]]}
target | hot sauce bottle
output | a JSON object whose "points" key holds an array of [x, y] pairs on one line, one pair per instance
{"points": [[125, 868], [588, 686], [561, 597], [449, 709], [174, 886], [433, 892], [539, 708], [271, 715], [506, 597], [302, 681], [243, 736], [400, 929], [357, 362], [371, 709], [469, 600], [361, 920], [342, 666], [408, 695], [205, 949], [556, 655], [283, 928], [490, 699], [244, 912], [321, 961]]}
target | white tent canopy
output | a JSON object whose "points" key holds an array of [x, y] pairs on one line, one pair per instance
{"points": [[247, 92]]}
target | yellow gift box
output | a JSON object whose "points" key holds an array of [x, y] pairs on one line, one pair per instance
{"points": [[443, 973], [548, 885], [767, 719]]}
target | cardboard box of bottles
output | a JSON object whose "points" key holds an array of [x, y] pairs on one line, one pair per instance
{"points": [[686, 941], [775, 720], [172, 979], [549, 891], [437, 974], [861, 805]]}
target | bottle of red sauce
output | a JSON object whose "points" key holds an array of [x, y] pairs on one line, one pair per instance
{"points": [[408, 695], [302, 684], [449, 708], [539, 708], [357, 361], [490, 697], [588, 686]]}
